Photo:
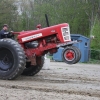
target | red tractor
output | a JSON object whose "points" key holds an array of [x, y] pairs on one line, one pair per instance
{"points": [[26, 55]]}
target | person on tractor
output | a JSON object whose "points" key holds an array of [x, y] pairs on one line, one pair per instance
{"points": [[4, 32]]}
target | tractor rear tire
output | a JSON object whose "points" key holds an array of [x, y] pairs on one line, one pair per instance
{"points": [[31, 70], [71, 55], [12, 59]]}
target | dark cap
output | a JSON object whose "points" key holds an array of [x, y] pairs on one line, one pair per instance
{"points": [[5, 25]]}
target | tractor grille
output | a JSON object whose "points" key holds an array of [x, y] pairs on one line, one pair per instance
{"points": [[66, 33]]}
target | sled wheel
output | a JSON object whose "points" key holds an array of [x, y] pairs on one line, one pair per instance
{"points": [[31, 70], [71, 55], [12, 59]]}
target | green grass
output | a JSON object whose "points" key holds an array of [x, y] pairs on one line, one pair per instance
{"points": [[50, 57], [93, 61]]}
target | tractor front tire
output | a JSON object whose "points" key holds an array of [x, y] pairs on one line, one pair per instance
{"points": [[71, 55], [12, 59], [79, 55], [31, 70]]}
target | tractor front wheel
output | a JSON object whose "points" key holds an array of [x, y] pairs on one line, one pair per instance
{"points": [[71, 55]]}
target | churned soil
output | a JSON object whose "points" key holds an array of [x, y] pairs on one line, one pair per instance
{"points": [[59, 82]]}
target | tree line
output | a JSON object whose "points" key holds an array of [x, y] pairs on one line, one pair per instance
{"points": [[83, 16]]}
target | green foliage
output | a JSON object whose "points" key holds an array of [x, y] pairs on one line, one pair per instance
{"points": [[80, 14], [7, 12], [93, 61], [95, 43], [95, 54]]}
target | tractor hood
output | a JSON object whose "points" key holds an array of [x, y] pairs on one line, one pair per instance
{"points": [[27, 36]]}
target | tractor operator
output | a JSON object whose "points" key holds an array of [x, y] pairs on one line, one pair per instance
{"points": [[4, 32]]}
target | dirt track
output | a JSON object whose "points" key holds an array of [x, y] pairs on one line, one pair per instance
{"points": [[61, 82]]}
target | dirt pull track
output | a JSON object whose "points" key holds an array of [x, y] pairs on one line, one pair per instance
{"points": [[61, 82]]}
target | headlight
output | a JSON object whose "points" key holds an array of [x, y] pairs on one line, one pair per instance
{"points": [[66, 33]]}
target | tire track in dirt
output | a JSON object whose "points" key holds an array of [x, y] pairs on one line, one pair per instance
{"points": [[62, 78], [47, 87], [44, 89]]}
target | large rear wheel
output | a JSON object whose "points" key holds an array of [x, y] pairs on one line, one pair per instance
{"points": [[31, 69], [12, 59]]}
